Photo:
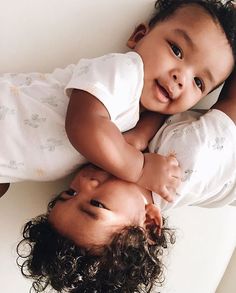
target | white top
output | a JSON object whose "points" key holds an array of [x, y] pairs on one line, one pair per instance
{"points": [[117, 81], [205, 147], [34, 144]]}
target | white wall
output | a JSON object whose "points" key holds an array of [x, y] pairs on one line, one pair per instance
{"points": [[42, 34]]}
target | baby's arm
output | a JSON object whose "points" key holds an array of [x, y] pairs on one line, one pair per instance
{"points": [[144, 130], [92, 133], [227, 100], [3, 188]]}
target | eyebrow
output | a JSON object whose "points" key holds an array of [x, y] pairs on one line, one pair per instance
{"points": [[186, 37]]}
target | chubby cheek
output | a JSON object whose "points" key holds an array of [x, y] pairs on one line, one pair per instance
{"points": [[135, 214], [183, 104], [60, 217]]}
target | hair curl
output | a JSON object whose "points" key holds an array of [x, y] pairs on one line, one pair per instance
{"points": [[128, 264], [223, 13]]}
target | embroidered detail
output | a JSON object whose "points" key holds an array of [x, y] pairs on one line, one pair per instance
{"points": [[217, 144], [28, 80], [185, 131], [227, 185], [83, 70], [40, 172], [52, 101], [187, 175], [168, 121], [12, 164], [4, 111], [42, 76], [14, 90], [51, 144], [34, 121]]}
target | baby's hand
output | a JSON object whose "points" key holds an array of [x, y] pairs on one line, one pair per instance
{"points": [[161, 174]]}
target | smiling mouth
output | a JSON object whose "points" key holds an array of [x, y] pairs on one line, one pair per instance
{"points": [[161, 93]]}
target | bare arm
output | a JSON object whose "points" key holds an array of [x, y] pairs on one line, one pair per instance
{"points": [[144, 130], [92, 133], [3, 188], [227, 99]]}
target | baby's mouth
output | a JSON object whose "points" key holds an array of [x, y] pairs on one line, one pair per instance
{"points": [[161, 93], [164, 91]]}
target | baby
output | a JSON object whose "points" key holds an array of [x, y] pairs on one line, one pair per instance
{"points": [[170, 68], [103, 234]]}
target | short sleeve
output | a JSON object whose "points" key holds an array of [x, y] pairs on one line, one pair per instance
{"points": [[115, 79]]}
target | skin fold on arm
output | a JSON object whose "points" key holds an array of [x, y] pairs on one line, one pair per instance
{"points": [[145, 129]]}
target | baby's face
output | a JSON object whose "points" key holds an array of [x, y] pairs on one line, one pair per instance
{"points": [[98, 206], [185, 57]]}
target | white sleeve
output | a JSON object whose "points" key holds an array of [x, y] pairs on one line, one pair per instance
{"points": [[115, 79], [204, 145]]}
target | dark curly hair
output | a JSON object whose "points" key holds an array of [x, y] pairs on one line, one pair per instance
{"points": [[130, 263], [223, 13]]}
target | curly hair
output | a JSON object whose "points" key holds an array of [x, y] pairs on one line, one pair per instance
{"points": [[223, 13], [128, 264]]}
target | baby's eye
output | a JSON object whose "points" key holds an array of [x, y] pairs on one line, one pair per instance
{"points": [[199, 83], [71, 192], [97, 203], [177, 51]]}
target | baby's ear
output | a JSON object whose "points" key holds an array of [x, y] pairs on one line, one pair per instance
{"points": [[140, 31], [153, 219]]}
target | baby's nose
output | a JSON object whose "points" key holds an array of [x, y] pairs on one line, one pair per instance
{"points": [[88, 183], [179, 78]]}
